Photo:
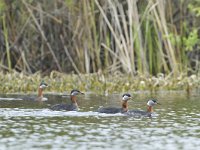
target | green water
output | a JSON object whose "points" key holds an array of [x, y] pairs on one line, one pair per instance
{"points": [[31, 125]]}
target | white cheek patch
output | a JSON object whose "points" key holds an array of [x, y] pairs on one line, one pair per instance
{"points": [[150, 103], [125, 97], [74, 93], [42, 86]]}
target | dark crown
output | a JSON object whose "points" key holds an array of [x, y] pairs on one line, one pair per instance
{"points": [[126, 94]]}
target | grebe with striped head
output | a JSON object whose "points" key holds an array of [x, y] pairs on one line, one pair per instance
{"points": [[114, 110], [150, 104], [68, 107]]}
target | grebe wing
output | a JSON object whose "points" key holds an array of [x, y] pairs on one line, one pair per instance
{"points": [[109, 110], [67, 107]]}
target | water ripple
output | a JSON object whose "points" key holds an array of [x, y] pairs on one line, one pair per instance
{"points": [[175, 125]]}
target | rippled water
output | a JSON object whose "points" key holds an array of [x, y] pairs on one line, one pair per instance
{"points": [[31, 125]]}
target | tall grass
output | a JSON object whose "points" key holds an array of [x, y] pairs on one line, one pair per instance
{"points": [[128, 36], [5, 33]]}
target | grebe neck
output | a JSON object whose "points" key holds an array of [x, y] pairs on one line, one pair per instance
{"points": [[124, 106], [40, 94], [73, 99], [149, 109]]}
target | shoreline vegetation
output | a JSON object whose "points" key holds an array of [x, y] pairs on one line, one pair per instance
{"points": [[97, 83], [103, 46]]}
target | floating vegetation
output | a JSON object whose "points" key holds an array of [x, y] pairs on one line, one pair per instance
{"points": [[98, 83]]}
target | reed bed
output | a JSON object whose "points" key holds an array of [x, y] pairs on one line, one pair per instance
{"points": [[137, 39]]}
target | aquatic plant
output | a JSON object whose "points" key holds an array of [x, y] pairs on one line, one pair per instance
{"points": [[127, 36], [101, 84]]}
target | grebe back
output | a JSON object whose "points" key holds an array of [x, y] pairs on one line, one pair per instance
{"points": [[68, 107], [114, 110], [148, 112]]}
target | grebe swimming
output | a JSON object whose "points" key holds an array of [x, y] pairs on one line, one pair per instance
{"points": [[68, 107], [42, 86], [114, 110], [39, 97], [148, 112]]}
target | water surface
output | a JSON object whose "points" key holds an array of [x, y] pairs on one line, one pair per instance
{"points": [[31, 125]]}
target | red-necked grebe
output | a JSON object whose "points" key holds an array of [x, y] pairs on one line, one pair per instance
{"points": [[39, 97], [42, 86], [68, 107], [148, 112], [114, 110]]}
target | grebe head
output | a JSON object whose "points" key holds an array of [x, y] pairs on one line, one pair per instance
{"points": [[75, 92], [43, 85], [152, 102], [126, 97]]}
